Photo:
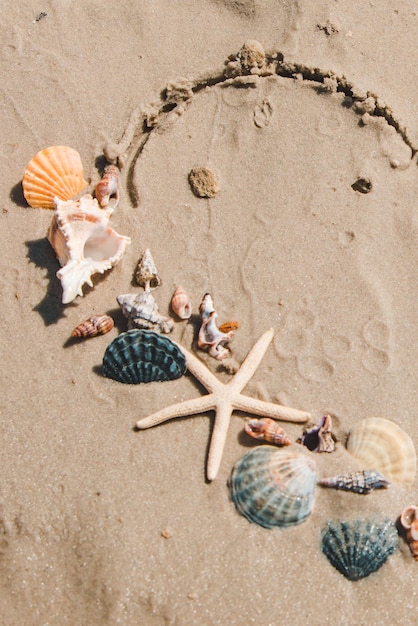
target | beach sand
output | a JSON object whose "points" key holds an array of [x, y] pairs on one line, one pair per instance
{"points": [[104, 524]]}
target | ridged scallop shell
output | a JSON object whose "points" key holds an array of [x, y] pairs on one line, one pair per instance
{"points": [[93, 326], [362, 482], [142, 356], [273, 487], [181, 304], [382, 445], [84, 243], [53, 172], [357, 548], [266, 429]]}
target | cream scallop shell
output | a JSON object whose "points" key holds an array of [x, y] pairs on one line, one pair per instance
{"points": [[84, 243], [53, 172], [382, 445]]}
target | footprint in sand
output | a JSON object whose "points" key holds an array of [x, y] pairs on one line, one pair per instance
{"points": [[287, 225]]}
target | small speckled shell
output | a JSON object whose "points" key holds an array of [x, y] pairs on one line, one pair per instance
{"points": [[382, 445], [357, 548], [55, 171], [181, 304], [93, 326], [273, 487], [142, 356], [358, 482]]}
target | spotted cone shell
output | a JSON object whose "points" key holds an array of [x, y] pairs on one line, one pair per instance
{"points": [[56, 171]]}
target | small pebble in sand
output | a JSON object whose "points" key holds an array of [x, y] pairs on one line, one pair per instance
{"points": [[203, 182], [166, 533], [252, 55]]}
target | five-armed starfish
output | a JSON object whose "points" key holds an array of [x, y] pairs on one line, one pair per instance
{"points": [[224, 399]]}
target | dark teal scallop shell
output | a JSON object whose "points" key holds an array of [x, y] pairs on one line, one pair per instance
{"points": [[273, 487], [357, 548], [142, 356]]}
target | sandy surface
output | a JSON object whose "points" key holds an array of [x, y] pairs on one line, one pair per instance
{"points": [[100, 524]]}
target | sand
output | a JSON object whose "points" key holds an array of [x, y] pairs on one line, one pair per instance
{"points": [[99, 523]]}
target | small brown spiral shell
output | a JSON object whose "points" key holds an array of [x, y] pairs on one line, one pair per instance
{"points": [[108, 186], [266, 429], [180, 303], [93, 326]]}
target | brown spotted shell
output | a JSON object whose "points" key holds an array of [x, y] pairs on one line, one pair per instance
{"points": [[56, 171], [93, 326]]}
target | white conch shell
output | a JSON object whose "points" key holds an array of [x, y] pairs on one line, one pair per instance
{"points": [[84, 243]]}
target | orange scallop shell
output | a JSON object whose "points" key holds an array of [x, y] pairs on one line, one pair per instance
{"points": [[54, 171]]}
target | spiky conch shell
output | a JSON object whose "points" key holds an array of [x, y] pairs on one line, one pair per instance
{"points": [[56, 171], [84, 243], [382, 445]]}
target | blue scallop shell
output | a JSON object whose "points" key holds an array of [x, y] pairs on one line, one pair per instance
{"points": [[357, 548], [142, 356], [273, 487]]}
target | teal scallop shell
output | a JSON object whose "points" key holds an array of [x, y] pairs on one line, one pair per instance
{"points": [[142, 356], [357, 548], [273, 487]]}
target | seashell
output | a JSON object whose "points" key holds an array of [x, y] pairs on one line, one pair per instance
{"points": [[146, 274], [226, 327], [359, 547], [142, 356], [181, 304], [320, 438], [53, 172], [273, 487], [142, 312], [93, 326], [210, 338], [84, 243], [382, 445], [358, 482], [266, 429], [108, 187], [409, 521]]}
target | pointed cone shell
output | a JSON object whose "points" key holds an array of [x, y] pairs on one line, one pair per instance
{"points": [[53, 172], [146, 273], [84, 243], [143, 356], [273, 487], [93, 326], [382, 445], [181, 304], [357, 548]]}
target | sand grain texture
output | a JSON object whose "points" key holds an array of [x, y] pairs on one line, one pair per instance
{"points": [[100, 524]]}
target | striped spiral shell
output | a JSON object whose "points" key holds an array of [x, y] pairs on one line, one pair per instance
{"points": [[108, 187], [93, 326], [266, 429], [181, 304]]}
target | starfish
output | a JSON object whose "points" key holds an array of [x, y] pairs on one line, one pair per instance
{"points": [[224, 399]]}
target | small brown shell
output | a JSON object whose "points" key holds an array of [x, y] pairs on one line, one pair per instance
{"points": [[409, 520], [54, 171], [93, 326], [266, 429], [108, 186], [226, 327], [181, 304]]}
